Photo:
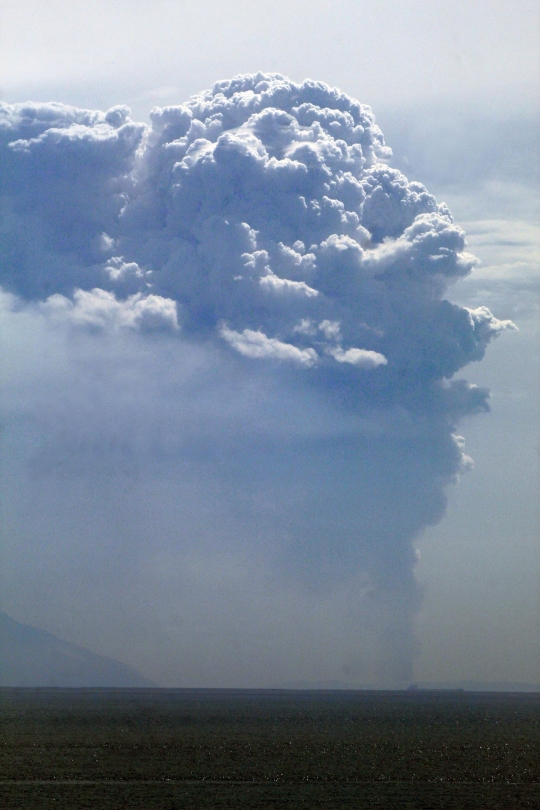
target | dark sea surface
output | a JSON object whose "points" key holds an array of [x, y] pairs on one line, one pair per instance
{"points": [[73, 749]]}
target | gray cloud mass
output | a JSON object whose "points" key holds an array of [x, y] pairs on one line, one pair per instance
{"points": [[244, 302]]}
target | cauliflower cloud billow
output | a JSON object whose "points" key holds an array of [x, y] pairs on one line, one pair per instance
{"points": [[261, 221], [262, 209]]}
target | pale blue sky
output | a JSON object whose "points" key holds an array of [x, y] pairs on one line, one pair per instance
{"points": [[389, 51]]}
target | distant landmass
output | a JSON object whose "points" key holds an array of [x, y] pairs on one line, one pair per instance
{"points": [[466, 686], [32, 657], [482, 686]]}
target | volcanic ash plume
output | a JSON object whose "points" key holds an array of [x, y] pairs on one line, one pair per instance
{"points": [[254, 304]]}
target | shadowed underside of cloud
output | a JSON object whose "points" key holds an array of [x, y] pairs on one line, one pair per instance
{"points": [[288, 285]]}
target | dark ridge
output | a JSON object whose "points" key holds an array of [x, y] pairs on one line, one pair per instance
{"points": [[30, 657]]}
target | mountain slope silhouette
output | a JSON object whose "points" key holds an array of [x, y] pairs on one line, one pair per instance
{"points": [[32, 657]]}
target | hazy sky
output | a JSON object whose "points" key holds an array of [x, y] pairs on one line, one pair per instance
{"points": [[389, 52], [179, 492]]}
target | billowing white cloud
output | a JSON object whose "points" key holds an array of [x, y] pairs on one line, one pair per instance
{"points": [[330, 329], [261, 215], [285, 286], [358, 357], [100, 309], [261, 202], [258, 345]]}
